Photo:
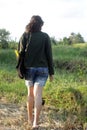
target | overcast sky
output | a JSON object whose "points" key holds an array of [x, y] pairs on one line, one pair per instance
{"points": [[61, 17]]}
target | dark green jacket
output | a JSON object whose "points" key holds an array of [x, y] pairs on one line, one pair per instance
{"points": [[39, 51]]}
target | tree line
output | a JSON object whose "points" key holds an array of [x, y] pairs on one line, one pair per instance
{"points": [[5, 40], [72, 39]]}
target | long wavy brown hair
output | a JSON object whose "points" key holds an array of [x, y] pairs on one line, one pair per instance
{"points": [[35, 24]]}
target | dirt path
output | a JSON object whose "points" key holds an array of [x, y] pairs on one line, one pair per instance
{"points": [[14, 117]]}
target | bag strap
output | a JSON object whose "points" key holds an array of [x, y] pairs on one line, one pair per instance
{"points": [[28, 42]]}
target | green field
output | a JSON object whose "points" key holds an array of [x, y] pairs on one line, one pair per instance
{"points": [[68, 91]]}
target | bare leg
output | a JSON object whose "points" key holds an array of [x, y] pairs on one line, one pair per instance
{"points": [[37, 104], [30, 103]]}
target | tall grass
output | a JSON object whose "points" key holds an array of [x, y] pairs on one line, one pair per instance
{"points": [[10, 85], [71, 58]]}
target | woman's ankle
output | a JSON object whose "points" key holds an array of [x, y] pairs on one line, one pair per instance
{"points": [[35, 123], [30, 122]]}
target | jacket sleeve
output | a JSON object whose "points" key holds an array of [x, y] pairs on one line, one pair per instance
{"points": [[49, 56]]}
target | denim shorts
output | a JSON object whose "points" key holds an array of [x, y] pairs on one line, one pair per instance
{"points": [[36, 76]]}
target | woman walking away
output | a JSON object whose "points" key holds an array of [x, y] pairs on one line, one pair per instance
{"points": [[38, 63]]}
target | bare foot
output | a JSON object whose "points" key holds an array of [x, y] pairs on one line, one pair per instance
{"points": [[35, 127], [30, 123]]}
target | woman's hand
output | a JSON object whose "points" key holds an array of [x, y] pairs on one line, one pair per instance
{"points": [[51, 77]]}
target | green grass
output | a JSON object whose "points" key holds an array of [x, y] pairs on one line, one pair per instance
{"points": [[68, 91], [70, 52], [10, 85], [71, 58]]}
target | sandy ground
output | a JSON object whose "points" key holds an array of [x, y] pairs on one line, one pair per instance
{"points": [[14, 117]]}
